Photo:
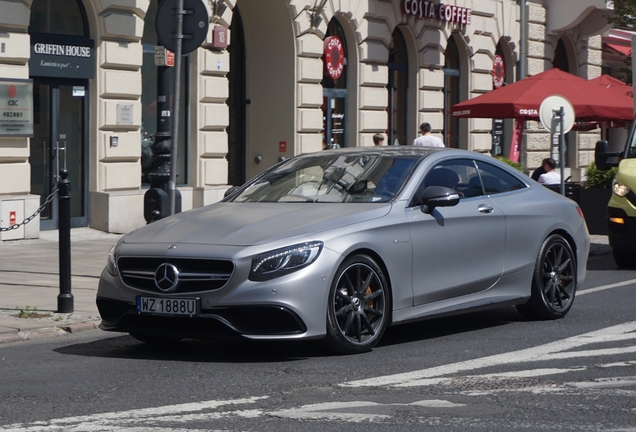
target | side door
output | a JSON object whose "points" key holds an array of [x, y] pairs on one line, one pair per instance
{"points": [[457, 250]]}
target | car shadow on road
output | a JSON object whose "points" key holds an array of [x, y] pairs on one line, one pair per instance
{"points": [[456, 324], [239, 350]]}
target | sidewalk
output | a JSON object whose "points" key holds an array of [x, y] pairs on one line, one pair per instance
{"points": [[29, 283]]}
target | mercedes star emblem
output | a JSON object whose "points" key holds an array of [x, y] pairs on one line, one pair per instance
{"points": [[167, 277]]}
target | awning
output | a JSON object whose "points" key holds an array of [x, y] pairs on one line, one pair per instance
{"points": [[622, 49], [522, 99]]}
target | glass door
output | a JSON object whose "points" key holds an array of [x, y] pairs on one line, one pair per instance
{"points": [[59, 142], [334, 109]]}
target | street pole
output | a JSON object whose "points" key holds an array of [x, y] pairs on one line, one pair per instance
{"points": [[175, 108], [64, 298], [561, 146]]}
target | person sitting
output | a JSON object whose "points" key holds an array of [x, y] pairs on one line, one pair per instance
{"points": [[550, 177]]}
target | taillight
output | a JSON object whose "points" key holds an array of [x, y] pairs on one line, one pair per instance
{"points": [[580, 212]]}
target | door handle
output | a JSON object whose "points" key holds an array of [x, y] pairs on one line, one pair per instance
{"points": [[483, 208]]}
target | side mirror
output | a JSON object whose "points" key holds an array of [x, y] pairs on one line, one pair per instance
{"points": [[603, 158], [438, 196]]}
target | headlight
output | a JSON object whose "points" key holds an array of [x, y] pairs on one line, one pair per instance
{"points": [[620, 189], [283, 261], [111, 265]]}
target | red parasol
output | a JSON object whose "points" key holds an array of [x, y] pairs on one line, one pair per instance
{"points": [[613, 84], [522, 99]]}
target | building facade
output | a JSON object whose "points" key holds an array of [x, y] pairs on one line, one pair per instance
{"points": [[272, 79]]}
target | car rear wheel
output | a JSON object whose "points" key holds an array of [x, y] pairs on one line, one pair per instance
{"points": [[554, 281], [154, 339], [624, 259], [358, 306]]}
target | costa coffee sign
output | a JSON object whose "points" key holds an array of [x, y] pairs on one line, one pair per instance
{"points": [[437, 11], [334, 57]]}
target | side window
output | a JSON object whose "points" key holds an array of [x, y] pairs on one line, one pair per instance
{"points": [[496, 180], [455, 174]]}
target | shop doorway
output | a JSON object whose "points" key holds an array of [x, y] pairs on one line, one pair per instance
{"points": [[334, 109], [237, 104], [60, 138]]}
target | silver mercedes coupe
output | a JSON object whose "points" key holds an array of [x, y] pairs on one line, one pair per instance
{"points": [[339, 244]]}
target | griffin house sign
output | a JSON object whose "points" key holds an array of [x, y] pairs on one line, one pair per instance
{"points": [[62, 57], [437, 11]]}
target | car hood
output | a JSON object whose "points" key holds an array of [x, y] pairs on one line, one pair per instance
{"points": [[244, 224]]}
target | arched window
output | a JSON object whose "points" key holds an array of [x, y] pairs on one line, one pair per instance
{"points": [[398, 89], [451, 93], [62, 17], [561, 60]]}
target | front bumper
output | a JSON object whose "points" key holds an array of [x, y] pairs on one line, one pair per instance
{"points": [[621, 236], [249, 321], [289, 307]]}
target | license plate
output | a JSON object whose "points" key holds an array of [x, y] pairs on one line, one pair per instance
{"points": [[167, 306]]}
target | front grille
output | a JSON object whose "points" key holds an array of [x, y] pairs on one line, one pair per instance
{"points": [[195, 274]]}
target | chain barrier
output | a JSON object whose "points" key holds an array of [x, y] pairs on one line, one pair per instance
{"points": [[30, 218]]}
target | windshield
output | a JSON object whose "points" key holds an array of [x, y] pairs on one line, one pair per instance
{"points": [[332, 179]]}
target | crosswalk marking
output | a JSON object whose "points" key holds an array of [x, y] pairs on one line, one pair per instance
{"points": [[549, 351]]}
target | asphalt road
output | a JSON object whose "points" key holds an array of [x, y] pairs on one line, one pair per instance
{"points": [[490, 371]]}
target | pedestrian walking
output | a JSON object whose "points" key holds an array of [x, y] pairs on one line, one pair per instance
{"points": [[426, 139]]}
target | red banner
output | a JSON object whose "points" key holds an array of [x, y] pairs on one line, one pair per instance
{"points": [[515, 145]]}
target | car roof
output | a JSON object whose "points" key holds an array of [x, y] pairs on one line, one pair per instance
{"points": [[387, 150]]}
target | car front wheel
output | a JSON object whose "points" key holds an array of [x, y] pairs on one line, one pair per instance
{"points": [[358, 306], [554, 281]]}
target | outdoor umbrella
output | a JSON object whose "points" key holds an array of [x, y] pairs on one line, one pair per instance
{"points": [[612, 83], [522, 99]]}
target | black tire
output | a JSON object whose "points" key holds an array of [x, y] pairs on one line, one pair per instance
{"points": [[358, 306], [155, 339], [554, 281], [624, 259]]}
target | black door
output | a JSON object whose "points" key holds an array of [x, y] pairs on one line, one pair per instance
{"points": [[59, 141]]}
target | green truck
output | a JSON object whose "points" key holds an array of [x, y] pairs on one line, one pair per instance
{"points": [[621, 209]]}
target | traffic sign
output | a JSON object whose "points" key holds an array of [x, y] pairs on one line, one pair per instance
{"points": [[196, 23]]}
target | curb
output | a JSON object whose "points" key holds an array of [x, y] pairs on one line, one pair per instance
{"points": [[44, 332]]}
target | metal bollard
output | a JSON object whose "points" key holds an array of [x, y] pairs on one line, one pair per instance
{"points": [[64, 298]]}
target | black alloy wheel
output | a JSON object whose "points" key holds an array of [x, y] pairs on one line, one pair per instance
{"points": [[358, 306], [554, 281]]}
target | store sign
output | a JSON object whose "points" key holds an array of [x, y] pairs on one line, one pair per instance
{"points": [[334, 57], [62, 57], [16, 108], [498, 72], [437, 11]]}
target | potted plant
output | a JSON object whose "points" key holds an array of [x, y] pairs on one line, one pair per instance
{"points": [[594, 196]]}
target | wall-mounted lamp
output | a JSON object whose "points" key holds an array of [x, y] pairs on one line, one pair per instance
{"points": [[314, 13], [218, 7]]}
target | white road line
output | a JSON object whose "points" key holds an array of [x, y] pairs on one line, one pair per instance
{"points": [[539, 353], [129, 419], [329, 411], [606, 287], [528, 373]]}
